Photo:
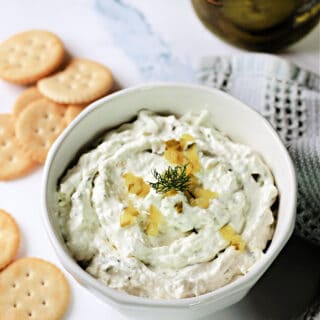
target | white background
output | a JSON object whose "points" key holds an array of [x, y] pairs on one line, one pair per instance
{"points": [[289, 284]]}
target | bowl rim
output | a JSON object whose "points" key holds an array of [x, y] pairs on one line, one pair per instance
{"points": [[244, 282]]}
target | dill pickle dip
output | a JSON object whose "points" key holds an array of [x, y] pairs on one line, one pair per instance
{"points": [[167, 207]]}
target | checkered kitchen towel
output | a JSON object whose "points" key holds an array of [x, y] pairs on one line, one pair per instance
{"points": [[289, 97]]}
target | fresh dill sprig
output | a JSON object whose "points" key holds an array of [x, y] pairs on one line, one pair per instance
{"points": [[173, 179]]}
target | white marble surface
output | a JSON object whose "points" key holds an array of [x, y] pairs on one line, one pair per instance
{"points": [[146, 40]]}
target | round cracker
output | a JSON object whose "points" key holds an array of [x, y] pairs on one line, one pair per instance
{"points": [[29, 56], [81, 82], [27, 96], [72, 112], [32, 288], [38, 126], [9, 238], [14, 162]]}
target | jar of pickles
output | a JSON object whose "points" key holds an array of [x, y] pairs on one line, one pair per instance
{"points": [[259, 25]]}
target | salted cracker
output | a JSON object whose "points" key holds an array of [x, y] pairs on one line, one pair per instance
{"points": [[81, 82], [29, 56], [14, 162], [38, 126], [27, 96], [32, 288], [72, 112], [9, 238]]}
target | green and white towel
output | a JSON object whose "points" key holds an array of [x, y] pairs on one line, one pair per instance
{"points": [[289, 97]]}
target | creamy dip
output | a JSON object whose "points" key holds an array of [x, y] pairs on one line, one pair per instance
{"points": [[167, 245]]}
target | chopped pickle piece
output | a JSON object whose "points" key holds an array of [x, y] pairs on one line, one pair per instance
{"points": [[185, 138], [179, 206], [155, 218], [194, 182], [136, 185], [229, 234], [201, 197], [175, 153], [146, 134], [128, 216], [191, 155], [174, 145], [174, 157]]}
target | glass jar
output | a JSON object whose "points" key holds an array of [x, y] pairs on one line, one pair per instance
{"points": [[259, 25]]}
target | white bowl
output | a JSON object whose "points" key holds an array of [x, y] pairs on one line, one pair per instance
{"points": [[232, 117]]}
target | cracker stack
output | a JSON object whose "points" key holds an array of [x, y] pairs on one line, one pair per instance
{"points": [[45, 109], [32, 288]]}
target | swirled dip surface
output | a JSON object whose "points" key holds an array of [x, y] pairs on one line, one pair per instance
{"points": [[165, 245]]}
